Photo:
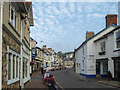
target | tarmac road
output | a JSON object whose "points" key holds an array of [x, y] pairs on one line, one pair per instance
{"points": [[66, 80]]}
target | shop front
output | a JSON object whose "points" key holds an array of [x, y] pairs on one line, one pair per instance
{"points": [[102, 67], [116, 68]]}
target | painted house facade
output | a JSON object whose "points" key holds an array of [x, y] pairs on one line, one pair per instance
{"points": [[33, 44], [39, 59], [85, 54], [25, 39], [110, 54], [13, 15]]}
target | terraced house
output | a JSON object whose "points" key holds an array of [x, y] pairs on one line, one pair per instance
{"points": [[16, 19]]}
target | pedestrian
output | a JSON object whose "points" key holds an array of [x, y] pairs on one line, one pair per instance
{"points": [[46, 74], [109, 75], [41, 70]]}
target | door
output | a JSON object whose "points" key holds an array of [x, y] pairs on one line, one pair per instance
{"points": [[97, 67], [117, 69]]}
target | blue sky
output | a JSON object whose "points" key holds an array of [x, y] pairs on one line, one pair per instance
{"points": [[62, 25]]}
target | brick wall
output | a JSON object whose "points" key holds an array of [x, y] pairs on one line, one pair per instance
{"points": [[111, 19], [89, 35]]}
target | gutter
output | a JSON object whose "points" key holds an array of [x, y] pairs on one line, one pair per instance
{"points": [[2, 3]]}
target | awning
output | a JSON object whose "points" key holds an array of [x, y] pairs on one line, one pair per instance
{"points": [[39, 59]]}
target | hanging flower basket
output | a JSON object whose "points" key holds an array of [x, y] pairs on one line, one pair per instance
{"points": [[32, 63]]}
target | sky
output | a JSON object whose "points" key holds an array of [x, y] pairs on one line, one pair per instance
{"points": [[62, 25]]}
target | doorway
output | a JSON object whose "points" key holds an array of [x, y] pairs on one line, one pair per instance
{"points": [[97, 67], [117, 69]]}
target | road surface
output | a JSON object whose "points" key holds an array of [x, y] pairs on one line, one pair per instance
{"points": [[66, 80]]}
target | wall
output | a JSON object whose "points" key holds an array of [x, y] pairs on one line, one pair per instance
{"points": [[91, 51], [6, 20], [111, 53], [8, 40]]}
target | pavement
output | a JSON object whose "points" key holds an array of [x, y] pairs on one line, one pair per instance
{"points": [[104, 81], [110, 83], [36, 82]]}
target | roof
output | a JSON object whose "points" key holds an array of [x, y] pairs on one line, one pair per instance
{"points": [[33, 39], [105, 36], [24, 7], [30, 11], [39, 48], [94, 36], [20, 6]]}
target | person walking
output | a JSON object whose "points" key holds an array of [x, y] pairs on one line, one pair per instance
{"points": [[41, 70]]}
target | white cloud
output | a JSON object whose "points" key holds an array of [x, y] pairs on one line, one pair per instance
{"points": [[79, 8], [71, 7], [48, 21], [95, 15]]}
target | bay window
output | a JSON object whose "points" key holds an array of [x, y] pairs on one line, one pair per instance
{"points": [[12, 66]]}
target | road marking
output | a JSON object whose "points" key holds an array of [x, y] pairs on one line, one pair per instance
{"points": [[59, 86]]}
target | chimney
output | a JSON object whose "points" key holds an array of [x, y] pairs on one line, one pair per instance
{"points": [[89, 35], [50, 49], [44, 47], [111, 19]]}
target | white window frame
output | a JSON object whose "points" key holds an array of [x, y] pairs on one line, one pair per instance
{"points": [[115, 40], [14, 14], [101, 46], [10, 51], [26, 77]]}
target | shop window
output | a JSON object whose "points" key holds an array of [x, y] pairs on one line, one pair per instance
{"points": [[12, 66]]}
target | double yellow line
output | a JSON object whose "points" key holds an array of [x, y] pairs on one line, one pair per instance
{"points": [[59, 86]]}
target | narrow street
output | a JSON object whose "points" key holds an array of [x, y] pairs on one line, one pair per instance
{"points": [[66, 80]]}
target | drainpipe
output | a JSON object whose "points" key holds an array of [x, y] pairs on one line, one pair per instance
{"points": [[21, 78], [1, 18], [30, 71]]}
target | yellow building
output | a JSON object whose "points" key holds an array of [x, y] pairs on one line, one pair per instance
{"points": [[15, 43]]}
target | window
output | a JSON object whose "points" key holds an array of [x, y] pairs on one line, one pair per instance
{"points": [[118, 39], [33, 51], [25, 68], [102, 46], [83, 50], [83, 63], [12, 66], [13, 16]]}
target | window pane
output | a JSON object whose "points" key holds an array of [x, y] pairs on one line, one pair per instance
{"points": [[23, 67], [26, 68], [12, 17], [9, 67], [118, 35], [17, 67], [15, 21], [13, 66], [118, 44]]}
